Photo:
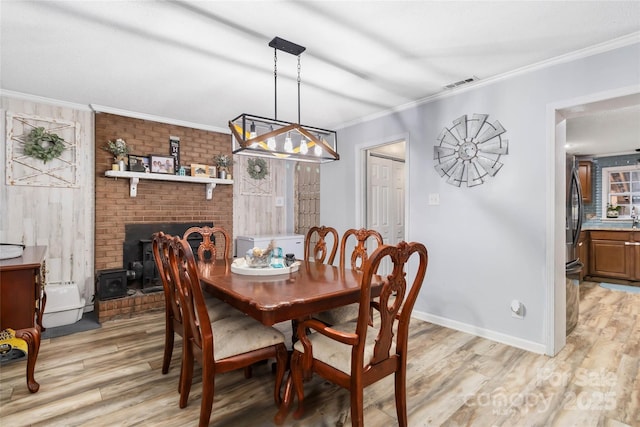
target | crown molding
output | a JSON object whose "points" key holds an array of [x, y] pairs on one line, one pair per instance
{"points": [[613, 44], [43, 100], [144, 116], [103, 109]]}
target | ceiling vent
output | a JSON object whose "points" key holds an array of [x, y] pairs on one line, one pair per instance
{"points": [[461, 82]]}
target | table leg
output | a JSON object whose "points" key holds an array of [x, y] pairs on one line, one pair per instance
{"points": [[287, 400], [32, 338]]}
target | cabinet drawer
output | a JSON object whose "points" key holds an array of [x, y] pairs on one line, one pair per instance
{"points": [[622, 236]]}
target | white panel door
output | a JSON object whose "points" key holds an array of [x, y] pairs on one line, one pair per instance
{"points": [[385, 202], [379, 195]]}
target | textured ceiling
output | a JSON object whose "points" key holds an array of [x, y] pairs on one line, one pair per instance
{"points": [[206, 62]]}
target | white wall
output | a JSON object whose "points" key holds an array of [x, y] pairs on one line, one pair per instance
{"points": [[60, 218], [487, 244]]}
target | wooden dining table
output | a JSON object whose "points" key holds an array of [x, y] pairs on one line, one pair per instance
{"points": [[315, 287], [291, 296]]}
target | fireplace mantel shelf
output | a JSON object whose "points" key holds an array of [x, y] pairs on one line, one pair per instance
{"points": [[135, 177]]}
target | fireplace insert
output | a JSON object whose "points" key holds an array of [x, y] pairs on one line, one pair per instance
{"points": [[137, 251]]}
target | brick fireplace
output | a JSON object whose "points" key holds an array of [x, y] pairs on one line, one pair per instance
{"points": [[156, 201]]}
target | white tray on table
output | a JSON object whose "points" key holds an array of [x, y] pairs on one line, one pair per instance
{"points": [[239, 266]]}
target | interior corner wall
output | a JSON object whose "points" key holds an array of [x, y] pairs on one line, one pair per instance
{"points": [[60, 218], [487, 244]]}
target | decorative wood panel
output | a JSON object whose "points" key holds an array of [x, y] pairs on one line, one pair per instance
{"points": [[59, 215], [259, 206], [255, 187], [22, 169], [307, 197]]}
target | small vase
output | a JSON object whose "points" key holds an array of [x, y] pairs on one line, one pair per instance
{"points": [[122, 165], [222, 174]]}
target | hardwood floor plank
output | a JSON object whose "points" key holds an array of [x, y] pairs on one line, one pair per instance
{"points": [[111, 376]]}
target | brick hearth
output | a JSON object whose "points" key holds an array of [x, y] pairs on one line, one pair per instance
{"points": [[129, 306]]}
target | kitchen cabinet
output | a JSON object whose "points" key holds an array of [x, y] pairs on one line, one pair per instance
{"points": [[584, 173], [22, 301], [615, 254]]}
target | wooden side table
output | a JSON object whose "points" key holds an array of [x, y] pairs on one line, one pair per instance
{"points": [[22, 301]]}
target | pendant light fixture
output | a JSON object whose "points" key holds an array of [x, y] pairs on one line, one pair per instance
{"points": [[265, 137]]}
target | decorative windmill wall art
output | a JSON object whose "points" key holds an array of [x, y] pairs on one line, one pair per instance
{"points": [[41, 152], [470, 150]]}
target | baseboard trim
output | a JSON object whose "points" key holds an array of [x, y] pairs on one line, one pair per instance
{"points": [[527, 345]]}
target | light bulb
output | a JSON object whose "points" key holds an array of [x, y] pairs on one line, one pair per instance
{"points": [[253, 134], [317, 150], [288, 145], [271, 141], [304, 149]]}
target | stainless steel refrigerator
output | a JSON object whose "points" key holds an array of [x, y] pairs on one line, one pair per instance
{"points": [[573, 265]]}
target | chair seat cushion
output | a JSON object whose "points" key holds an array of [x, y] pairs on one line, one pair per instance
{"points": [[337, 354], [339, 315], [219, 309], [240, 334]]}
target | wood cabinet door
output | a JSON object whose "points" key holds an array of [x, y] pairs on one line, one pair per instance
{"points": [[17, 303], [608, 258], [584, 173], [633, 254]]}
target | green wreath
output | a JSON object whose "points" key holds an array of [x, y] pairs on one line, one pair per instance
{"points": [[43, 145], [257, 168]]}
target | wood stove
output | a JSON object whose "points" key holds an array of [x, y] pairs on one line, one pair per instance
{"points": [[137, 251]]}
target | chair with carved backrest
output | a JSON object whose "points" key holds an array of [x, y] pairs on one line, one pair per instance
{"points": [[357, 259], [320, 252], [224, 345], [207, 257], [354, 355], [209, 245], [173, 312]]}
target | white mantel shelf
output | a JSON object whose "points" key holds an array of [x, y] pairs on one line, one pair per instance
{"points": [[135, 177]]}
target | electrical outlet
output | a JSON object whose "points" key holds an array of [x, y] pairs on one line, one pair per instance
{"points": [[517, 309], [434, 198], [279, 201]]}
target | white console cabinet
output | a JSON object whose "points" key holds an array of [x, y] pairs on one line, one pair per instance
{"points": [[290, 244]]}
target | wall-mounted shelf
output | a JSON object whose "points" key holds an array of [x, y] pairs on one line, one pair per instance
{"points": [[135, 177]]}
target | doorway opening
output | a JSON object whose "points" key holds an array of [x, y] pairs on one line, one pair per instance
{"points": [[385, 192], [562, 144]]}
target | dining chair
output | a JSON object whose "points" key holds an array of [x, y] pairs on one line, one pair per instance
{"points": [[173, 311], [320, 251], [208, 256], [208, 249], [354, 355], [222, 345], [357, 259]]}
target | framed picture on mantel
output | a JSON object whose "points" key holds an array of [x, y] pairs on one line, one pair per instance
{"points": [[138, 163], [162, 164], [199, 170]]}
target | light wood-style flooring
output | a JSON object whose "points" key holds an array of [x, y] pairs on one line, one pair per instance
{"points": [[111, 376]]}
